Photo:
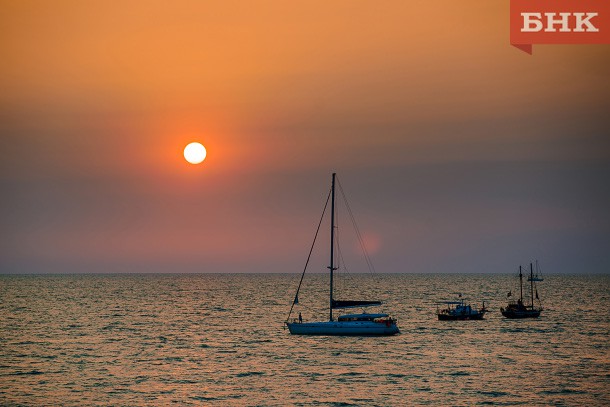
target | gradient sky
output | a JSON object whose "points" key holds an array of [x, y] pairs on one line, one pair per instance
{"points": [[459, 153]]}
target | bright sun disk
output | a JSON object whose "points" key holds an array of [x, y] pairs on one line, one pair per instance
{"points": [[194, 153]]}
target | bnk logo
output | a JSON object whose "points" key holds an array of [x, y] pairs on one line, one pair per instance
{"points": [[559, 22], [532, 22]]}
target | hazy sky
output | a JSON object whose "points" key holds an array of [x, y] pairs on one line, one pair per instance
{"points": [[459, 153]]}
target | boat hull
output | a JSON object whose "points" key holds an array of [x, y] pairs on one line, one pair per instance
{"points": [[351, 328], [520, 314]]}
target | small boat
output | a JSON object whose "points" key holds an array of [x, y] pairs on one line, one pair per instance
{"points": [[458, 311], [518, 309], [350, 324], [537, 276]]}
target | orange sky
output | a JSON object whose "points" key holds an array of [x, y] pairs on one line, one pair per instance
{"points": [[449, 137]]}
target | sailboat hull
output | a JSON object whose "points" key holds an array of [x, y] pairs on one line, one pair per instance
{"points": [[343, 328], [520, 314]]}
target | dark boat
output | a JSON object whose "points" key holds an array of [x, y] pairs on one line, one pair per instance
{"points": [[350, 324], [518, 309], [458, 311]]}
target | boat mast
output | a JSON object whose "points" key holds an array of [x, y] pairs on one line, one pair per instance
{"points": [[521, 284], [532, 283], [332, 244]]}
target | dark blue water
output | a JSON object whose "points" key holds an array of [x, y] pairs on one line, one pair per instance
{"points": [[91, 340]]}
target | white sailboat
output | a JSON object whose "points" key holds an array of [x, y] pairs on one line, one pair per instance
{"points": [[349, 324]]}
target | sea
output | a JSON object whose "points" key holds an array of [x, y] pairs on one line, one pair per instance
{"points": [[219, 340]]}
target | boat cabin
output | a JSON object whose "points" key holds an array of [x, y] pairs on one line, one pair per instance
{"points": [[518, 305], [361, 317]]}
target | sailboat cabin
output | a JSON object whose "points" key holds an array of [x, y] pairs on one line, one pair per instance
{"points": [[361, 317]]}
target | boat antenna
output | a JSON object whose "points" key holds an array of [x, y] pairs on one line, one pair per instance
{"points": [[296, 296]]}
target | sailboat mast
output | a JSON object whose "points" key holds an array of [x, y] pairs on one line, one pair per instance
{"points": [[521, 284], [532, 283], [332, 244]]}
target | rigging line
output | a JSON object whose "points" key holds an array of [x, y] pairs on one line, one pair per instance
{"points": [[342, 283], [309, 256], [338, 261], [342, 259], [339, 283], [370, 265], [367, 258], [336, 242], [341, 263], [349, 278]]}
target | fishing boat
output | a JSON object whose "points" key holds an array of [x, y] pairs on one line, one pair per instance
{"points": [[362, 324], [537, 276], [458, 311], [518, 309]]}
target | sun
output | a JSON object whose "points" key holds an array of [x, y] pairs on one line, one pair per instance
{"points": [[194, 153]]}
